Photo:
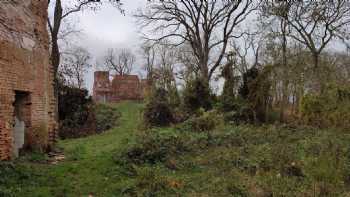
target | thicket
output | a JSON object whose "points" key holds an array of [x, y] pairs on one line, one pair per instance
{"points": [[331, 108], [158, 111], [80, 117], [282, 161], [106, 117], [251, 103], [197, 95]]}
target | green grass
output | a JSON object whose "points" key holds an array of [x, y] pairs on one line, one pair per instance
{"points": [[89, 166], [240, 161], [235, 161]]}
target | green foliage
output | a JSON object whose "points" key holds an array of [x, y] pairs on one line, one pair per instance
{"points": [[36, 157], [229, 85], [236, 110], [205, 121], [249, 77], [106, 117], [197, 95], [155, 146], [329, 109], [242, 161], [158, 110], [12, 178], [77, 153], [239, 161], [75, 113], [252, 104], [259, 94], [87, 169], [80, 117], [151, 182]]}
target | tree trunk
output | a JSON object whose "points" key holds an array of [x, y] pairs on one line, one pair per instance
{"points": [[55, 51], [204, 74], [285, 81], [317, 81]]}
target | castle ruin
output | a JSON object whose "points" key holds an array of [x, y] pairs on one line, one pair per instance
{"points": [[27, 101], [119, 88]]}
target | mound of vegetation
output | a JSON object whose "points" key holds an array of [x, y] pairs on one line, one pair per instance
{"points": [[10, 175], [329, 109], [106, 117], [80, 117], [158, 111], [239, 161]]}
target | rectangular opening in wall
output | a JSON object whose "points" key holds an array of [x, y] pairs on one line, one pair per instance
{"points": [[22, 120]]}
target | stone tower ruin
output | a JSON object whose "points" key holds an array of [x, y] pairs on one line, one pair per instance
{"points": [[119, 88]]}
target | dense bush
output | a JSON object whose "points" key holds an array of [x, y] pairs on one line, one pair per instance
{"points": [[158, 110], [206, 121], [197, 95], [266, 160], [155, 146], [329, 109], [255, 92], [76, 113], [80, 117], [9, 174], [106, 117], [236, 110]]}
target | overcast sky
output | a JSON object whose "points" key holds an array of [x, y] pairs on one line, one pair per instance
{"points": [[108, 28]]}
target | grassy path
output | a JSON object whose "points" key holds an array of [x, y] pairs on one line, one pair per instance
{"points": [[89, 167], [240, 161]]}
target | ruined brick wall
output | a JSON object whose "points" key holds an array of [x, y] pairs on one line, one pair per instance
{"points": [[125, 87], [25, 68], [101, 88]]}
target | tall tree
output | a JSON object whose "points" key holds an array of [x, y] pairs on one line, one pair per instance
{"points": [[148, 54], [207, 26], [120, 61], [62, 12], [276, 24], [315, 23], [74, 66]]}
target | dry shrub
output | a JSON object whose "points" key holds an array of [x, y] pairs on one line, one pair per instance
{"points": [[329, 109]]}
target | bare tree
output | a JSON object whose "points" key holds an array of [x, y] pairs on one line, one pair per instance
{"points": [[148, 53], [204, 25], [120, 61], [167, 61], [315, 23], [188, 64], [74, 66], [276, 24]]}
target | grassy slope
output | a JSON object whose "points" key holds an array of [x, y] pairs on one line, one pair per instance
{"points": [[89, 165], [242, 161]]}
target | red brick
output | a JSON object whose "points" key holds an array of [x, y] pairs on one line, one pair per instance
{"points": [[25, 67], [122, 87]]}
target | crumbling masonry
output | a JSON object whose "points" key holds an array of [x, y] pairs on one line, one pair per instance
{"points": [[120, 88], [26, 78]]}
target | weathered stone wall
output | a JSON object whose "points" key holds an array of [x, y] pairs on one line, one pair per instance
{"points": [[125, 87], [25, 68]]}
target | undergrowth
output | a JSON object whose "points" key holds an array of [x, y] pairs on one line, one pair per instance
{"points": [[239, 161]]}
